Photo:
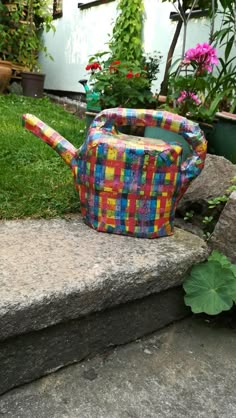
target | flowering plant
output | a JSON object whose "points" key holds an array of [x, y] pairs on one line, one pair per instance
{"points": [[120, 83], [194, 88]]}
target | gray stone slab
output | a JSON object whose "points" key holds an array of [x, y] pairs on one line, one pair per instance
{"points": [[29, 356], [213, 181], [53, 271], [184, 371], [224, 235]]}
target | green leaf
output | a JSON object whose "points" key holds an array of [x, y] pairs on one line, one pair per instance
{"points": [[221, 258], [210, 288], [229, 46]]}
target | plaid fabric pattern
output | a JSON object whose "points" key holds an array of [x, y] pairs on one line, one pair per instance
{"points": [[129, 185]]}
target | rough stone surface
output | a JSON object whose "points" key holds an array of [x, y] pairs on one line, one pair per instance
{"points": [[184, 371], [15, 88], [188, 226], [213, 181], [75, 106], [53, 271], [224, 235], [29, 356]]}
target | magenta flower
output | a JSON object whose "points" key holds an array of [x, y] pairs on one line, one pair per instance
{"points": [[188, 95], [204, 55]]}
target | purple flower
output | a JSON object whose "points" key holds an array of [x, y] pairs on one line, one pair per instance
{"points": [[188, 95], [204, 55]]}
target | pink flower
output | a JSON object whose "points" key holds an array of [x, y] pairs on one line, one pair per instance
{"points": [[188, 95], [204, 55]]}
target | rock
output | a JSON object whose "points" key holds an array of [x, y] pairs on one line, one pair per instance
{"points": [[15, 88], [188, 226], [224, 235], [53, 271], [213, 181]]}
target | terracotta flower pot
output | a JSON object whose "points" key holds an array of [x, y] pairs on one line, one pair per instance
{"points": [[5, 74]]}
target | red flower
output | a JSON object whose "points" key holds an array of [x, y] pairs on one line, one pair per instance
{"points": [[137, 75], [113, 68], [93, 66], [129, 74]]}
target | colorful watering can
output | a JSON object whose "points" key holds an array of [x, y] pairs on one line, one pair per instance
{"points": [[127, 184]]}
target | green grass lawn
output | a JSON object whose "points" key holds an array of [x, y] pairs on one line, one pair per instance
{"points": [[34, 180]]}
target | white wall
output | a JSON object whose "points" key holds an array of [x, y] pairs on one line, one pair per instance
{"points": [[159, 31], [81, 33]]}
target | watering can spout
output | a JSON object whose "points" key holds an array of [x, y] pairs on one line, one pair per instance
{"points": [[92, 97], [85, 85], [63, 147]]}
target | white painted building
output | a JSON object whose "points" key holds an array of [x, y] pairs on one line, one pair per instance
{"points": [[81, 33]]}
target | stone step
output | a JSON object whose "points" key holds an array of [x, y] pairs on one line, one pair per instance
{"points": [[68, 291], [184, 370]]}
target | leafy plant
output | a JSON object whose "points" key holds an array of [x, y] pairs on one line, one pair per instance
{"points": [[126, 42], [221, 86], [211, 216], [226, 35], [21, 29], [151, 64], [192, 83], [184, 9], [123, 76], [211, 286], [119, 83], [212, 203], [225, 39], [9, 24], [207, 219], [189, 215]]}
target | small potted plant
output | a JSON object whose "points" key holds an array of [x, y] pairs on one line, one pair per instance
{"points": [[118, 83], [6, 23], [37, 17], [21, 42]]}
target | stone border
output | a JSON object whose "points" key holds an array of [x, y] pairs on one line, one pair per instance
{"points": [[30, 356]]}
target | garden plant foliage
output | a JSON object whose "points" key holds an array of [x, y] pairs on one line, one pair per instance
{"points": [[211, 286]]}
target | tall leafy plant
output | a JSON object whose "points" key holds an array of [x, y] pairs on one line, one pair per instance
{"points": [[37, 17], [21, 28], [225, 39], [126, 42], [184, 9], [123, 76]]}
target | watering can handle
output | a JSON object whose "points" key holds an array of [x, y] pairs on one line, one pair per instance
{"points": [[189, 130]]}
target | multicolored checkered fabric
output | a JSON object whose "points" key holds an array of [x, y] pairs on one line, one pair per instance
{"points": [[127, 184]]}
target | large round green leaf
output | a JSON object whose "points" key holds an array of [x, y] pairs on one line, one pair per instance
{"points": [[221, 258], [210, 288]]}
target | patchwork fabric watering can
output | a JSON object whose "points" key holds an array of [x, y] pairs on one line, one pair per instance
{"points": [[127, 184]]}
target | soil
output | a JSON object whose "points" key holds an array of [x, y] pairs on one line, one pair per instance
{"points": [[226, 319]]}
